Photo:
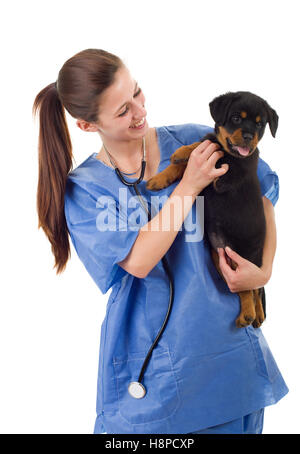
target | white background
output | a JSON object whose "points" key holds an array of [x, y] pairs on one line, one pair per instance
{"points": [[183, 54]]}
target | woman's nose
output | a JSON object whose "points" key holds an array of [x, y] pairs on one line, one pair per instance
{"points": [[139, 110]]}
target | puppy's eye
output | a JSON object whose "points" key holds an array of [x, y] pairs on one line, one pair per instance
{"points": [[259, 124], [236, 119]]}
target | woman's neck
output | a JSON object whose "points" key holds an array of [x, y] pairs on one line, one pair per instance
{"points": [[127, 157]]}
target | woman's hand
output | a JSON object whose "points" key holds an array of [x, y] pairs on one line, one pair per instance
{"points": [[200, 170], [247, 276]]}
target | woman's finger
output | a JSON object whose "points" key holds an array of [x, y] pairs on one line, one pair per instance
{"points": [[201, 147], [234, 255], [217, 154], [209, 151], [222, 262], [222, 170]]}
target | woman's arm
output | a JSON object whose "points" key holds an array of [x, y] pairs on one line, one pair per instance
{"points": [[247, 275], [156, 237], [271, 238]]}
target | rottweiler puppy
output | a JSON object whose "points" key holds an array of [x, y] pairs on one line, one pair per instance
{"points": [[233, 207]]}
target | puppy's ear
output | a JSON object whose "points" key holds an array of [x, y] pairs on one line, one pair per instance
{"points": [[272, 118], [219, 107]]}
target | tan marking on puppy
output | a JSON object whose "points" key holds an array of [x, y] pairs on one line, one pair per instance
{"points": [[215, 258], [260, 316], [247, 314], [183, 153], [165, 178], [244, 114], [236, 137], [221, 136], [257, 119]]}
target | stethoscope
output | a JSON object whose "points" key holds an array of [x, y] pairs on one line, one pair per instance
{"points": [[135, 388]]}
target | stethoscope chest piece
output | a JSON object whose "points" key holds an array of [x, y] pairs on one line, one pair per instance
{"points": [[136, 390]]}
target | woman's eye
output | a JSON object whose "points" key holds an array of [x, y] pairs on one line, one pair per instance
{"points": [[125, 111], [136, 94]]}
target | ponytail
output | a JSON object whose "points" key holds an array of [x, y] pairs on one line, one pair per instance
{"points": [[54, 164], [80, 83]]}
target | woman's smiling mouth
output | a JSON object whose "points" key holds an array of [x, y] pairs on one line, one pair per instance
{"points": [[139, 125]]}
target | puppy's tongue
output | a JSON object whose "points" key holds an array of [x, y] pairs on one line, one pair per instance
{"points": [[242, 151]]}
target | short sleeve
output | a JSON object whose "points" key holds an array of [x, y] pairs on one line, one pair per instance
{"points": [[269, 181], [101, 234], [189, 133]]}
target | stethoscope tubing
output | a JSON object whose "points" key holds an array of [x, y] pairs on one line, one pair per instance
{"points": [[165, 266]]}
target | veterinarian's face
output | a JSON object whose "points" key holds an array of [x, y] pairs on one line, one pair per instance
{"points": [[121, 107], [243, 129]]}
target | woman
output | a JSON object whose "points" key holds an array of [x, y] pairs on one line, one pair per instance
{"points": [[205, 375]]}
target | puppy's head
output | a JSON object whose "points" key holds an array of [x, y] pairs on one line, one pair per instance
{"points": [[240, 121]]}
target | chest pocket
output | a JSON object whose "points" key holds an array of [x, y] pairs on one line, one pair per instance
{"points": [[161, 399]]}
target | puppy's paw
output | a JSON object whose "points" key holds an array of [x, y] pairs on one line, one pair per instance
{"points": [[156, 183], [260, 315], [182, 154], [257, 323], [245, 319], [259, 319]]}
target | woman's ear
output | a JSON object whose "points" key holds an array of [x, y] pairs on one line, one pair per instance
{"points": [[86, 126]]}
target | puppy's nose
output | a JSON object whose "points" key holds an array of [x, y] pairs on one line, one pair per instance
{"points": [[247, 136]]}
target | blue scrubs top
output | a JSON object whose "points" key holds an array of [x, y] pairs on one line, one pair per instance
{"points": [[204, 371]]}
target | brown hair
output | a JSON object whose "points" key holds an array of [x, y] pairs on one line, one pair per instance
{"points": [[80, 83]]}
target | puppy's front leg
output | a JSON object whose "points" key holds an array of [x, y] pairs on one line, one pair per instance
{"points": [[260, 316], [247, 314], [174, 171], [163, 179], [182, 154]]}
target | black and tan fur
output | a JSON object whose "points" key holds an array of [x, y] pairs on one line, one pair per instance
{"points": [[233, 207]]}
